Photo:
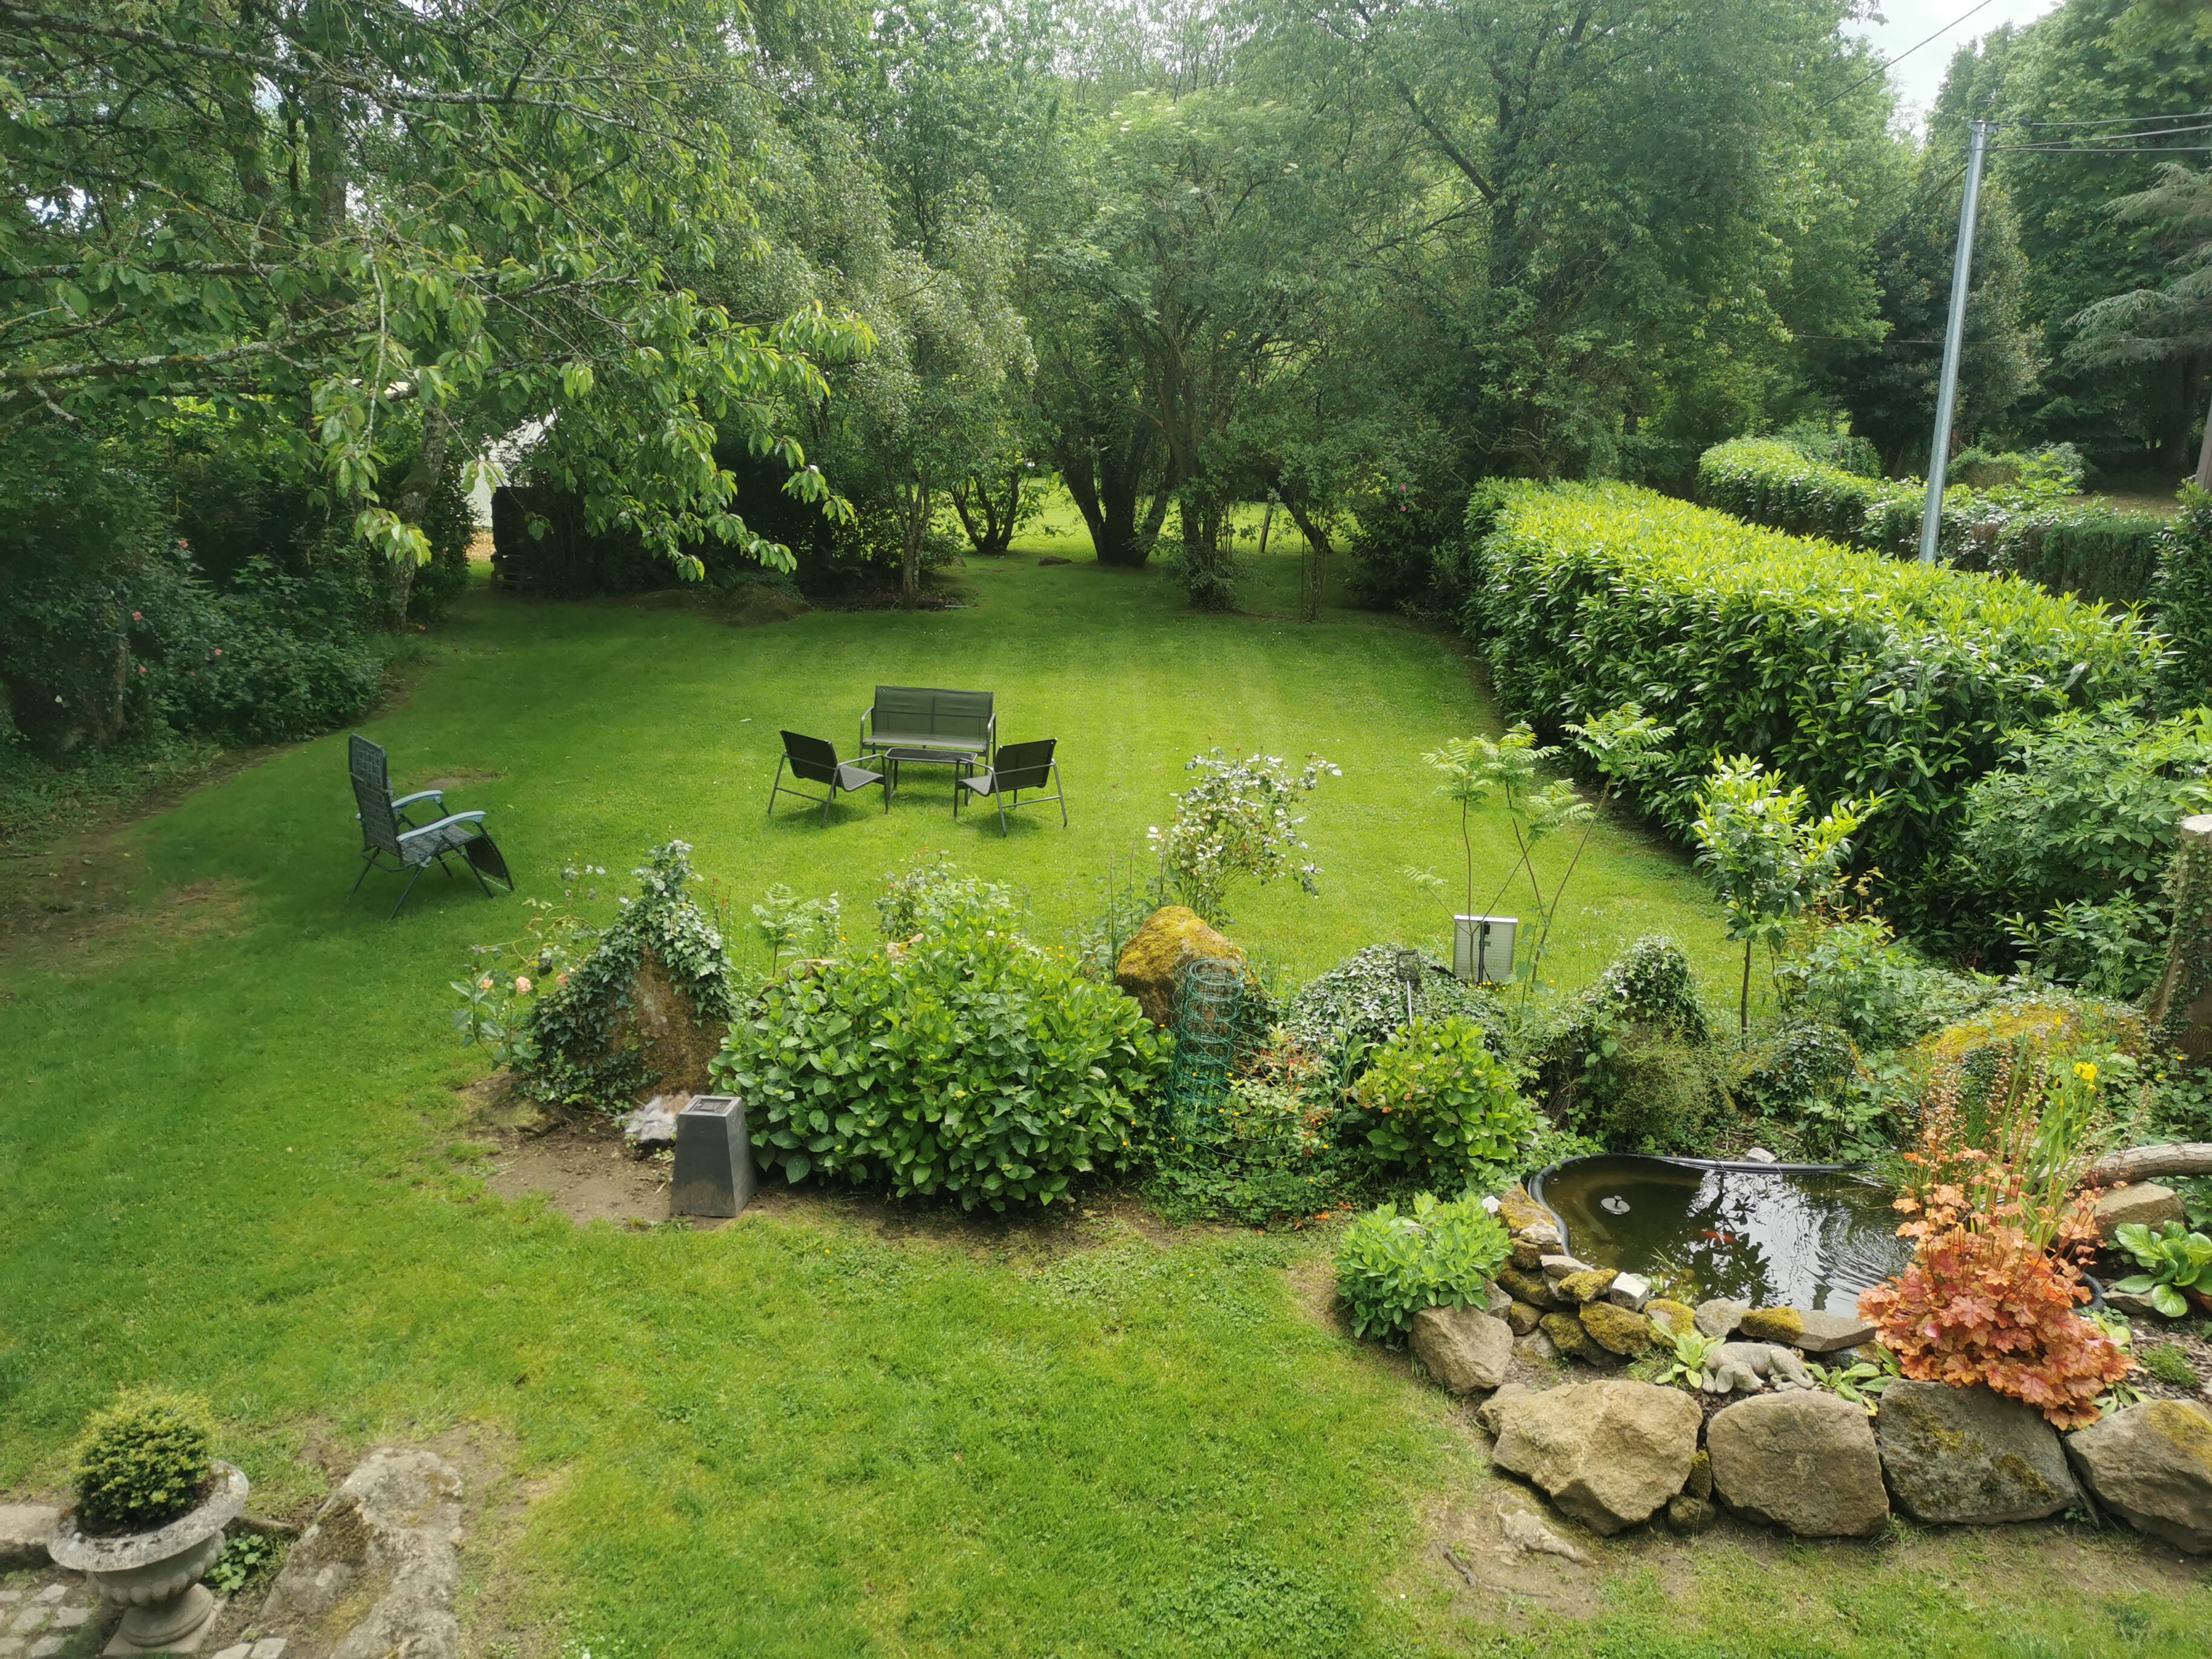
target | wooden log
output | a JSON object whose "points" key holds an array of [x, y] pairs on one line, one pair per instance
{"points": [[2181, 1157]]}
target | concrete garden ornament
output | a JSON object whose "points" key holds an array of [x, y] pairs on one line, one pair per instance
{"points": [[156, 1574]]}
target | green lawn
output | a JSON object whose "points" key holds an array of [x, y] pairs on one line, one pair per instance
{"points": [[235, 1157]]}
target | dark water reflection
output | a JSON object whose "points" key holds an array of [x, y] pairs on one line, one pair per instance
{"points": [[1773, 1237]]}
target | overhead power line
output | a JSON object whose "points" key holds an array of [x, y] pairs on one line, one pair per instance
{"points": [[2118, 120], [1884, 67]]}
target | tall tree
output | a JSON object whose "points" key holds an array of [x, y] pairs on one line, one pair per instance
{"points": [[314, 212]]}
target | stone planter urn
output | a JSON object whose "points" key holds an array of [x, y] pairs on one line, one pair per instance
{"points": [[156, 1574]]}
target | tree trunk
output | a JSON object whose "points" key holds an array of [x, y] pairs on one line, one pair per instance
{"points": [[413, 503], [915, 530], [2179, 1017], [1317, 539], [1743, 1002], [2183, 1158], [988, 518], [2203, 480]]}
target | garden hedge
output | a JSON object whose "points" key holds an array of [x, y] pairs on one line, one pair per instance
{"points": [[2182, 595], [1850, 673], [2090, 552], [1765, 481]]}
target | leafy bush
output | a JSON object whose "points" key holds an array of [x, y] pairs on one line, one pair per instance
{"points": [[931, 895], [1775, 483], [1235, 822], [579, 1042], [1630, 1061], [1435, 1101], [2183, 598], [967, 1061], [1795, 1072], [2084, 806], [1856, 975], [1390, 1266], [2090, 552], [142, 1461], [1357, 1004], [1847, 674], [2174, 1259]]}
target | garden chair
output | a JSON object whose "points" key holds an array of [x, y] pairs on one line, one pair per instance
{"points": [[1017, 767], [814, 760], [388, 830]]}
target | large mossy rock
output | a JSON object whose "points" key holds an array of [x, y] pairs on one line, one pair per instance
{"points": [[1969, 1455], [1806, 1462], [1172, 938], [2152, 1465], [1609, 1454]]}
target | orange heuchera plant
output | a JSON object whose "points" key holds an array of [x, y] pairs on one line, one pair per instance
{"points": [[1983, 1300]]}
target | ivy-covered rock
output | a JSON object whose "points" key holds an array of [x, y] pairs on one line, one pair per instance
{"points": [[644, 1012], [1356, 1006]]}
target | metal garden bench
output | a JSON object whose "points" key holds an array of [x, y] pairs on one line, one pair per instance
{"points": [[388, 830], [953, 723]]}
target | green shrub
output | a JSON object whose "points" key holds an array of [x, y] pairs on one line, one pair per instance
{"points": [[2070, 844], [1848, 674], [1264, 1152], [967, 1062], [1772, 482], [1880, 993], [2183, 598], [1435, 1101], [1390, 1266], [2090, 552], [1631, 1061], [931, 894], [144, 1461]]}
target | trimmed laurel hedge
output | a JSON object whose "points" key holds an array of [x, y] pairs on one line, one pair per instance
{"points": [[1850, 673], [2090, 552], [2182, 595], [1768, 482]]}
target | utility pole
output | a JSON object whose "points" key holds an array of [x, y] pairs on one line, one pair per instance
{"points": [[1954, 333]]}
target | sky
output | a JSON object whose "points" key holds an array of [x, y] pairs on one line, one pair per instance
{"points": [[1910, 22]]}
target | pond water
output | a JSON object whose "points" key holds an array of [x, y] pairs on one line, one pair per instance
{"points": [[1774, 1237]]}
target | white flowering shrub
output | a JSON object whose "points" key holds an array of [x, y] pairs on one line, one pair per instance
{"points": [[1236, 821]]}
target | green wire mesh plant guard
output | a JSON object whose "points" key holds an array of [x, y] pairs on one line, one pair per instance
{"points": [[1208, 1014]]}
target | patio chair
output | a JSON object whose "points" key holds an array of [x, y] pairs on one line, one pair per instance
{"points": [[1017, 767], [388, 830], [814, 760]]}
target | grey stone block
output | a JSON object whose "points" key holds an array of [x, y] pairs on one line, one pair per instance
{"points": [[269, 1647]]}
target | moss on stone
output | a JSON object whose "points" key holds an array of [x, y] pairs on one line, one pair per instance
{"points": [[1673, 1318], [1517, 1210], [1568, 1335], [1527, 1287], [1700, 1481], [1782, 1325], [1588, 1286], [1618, 1329], [1172, 937]]}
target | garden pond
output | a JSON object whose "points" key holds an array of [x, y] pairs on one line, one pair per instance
{"points": [[1775, 1234]]}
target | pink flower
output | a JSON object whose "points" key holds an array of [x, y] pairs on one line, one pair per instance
{"points": [[484, 984], [218, 651], [136, 616], [521, 987], [560, 978]]}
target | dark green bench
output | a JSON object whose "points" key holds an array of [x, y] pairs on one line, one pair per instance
{"points": [[954, 724]]}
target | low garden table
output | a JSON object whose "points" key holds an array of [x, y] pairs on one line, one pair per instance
{"points": [[962, 764]]}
